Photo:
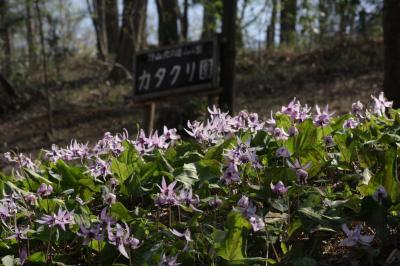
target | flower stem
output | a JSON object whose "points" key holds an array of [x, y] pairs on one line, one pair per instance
{"points": [[48, 245]]}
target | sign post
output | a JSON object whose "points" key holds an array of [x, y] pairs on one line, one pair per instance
{"points": [[186, 69]]}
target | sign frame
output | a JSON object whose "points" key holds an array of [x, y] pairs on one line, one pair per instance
{"points": [[200, 89]]}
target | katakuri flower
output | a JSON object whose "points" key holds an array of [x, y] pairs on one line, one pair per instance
{"points": [[323, 118], [62, 218], [92, 233], [380, 194], [354, 237], [301, 170], [380, 104], [279, 188]]}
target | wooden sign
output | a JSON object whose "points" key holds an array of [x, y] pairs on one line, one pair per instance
{"points": [[191, 68]]}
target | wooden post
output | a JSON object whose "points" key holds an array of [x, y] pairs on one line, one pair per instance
{"points": [[228, 55], [149, 112], [391, 36]]}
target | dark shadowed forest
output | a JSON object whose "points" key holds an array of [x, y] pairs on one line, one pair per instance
{"points": [[68, 63], [261, 132]]}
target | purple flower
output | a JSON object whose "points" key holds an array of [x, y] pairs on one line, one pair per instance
{"points": [[292, 109], [301, 171], [279, 188], [19, 234], [380, 104], [185, 235], [167, 195], [282, 153], [280, 134], [121, 238], [380, 194], [143, 144], [246, 207], [304, 113], [62, 218], [216, 112], [195, 130], [105, 218], [55, 153], [4, 212], [158, 142], [23, 254], [350, 123], [170, 134], [76, 151], [243, 203], [253, 123], [91, 233], [257, 223], [45, 190], [354, 237], [357, 109], [328, 140], [242, 154], [30, 198], [186, 197], [113, 183], [110, 198], [322, 118], [293, 131], [271, 123], [100, 168], [215, 202], [168, 260], [231, 174]]}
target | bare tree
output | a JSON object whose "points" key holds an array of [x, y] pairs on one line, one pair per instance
{"points": [[98, 13], [126, 48], [391, 34], [44, 65], [271, 26], [6, 36], [168, 15], [288, 21], [112, 25], [29, 33]]}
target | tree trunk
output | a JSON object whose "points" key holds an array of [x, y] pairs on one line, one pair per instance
{"points": [[112, 25], [185, 20], [98, 14], [6, 36], [288, 21], [391, 35], [209, 19], [228, 55], [168, 14], [271, 27], [29, 33], [44, 63], [126, 48], [323, 17], [139, 23]]}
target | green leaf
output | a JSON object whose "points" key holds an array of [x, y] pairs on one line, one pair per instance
{"points": [[387, 175], [8, 260], [37, 257], [231, 248], [120, 212]]}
